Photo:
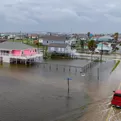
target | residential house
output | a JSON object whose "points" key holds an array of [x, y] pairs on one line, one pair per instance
{"points": [[105, 47], [10, 51], [11, 36], [59, 44]]}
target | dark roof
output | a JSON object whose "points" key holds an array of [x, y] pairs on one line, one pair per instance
{"points": [[14, 46], [57, 45], [50, 37]]}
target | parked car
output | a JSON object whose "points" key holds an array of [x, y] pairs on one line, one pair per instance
{"points": [[116, 100]]}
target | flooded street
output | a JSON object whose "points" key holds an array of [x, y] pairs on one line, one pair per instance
{"points": [[37, 94]]}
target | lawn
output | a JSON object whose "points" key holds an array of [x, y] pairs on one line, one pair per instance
{"points": [[26, 41]]}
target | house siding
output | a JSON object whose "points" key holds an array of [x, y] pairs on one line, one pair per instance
{"points": [[60, 50], [47, 42]]}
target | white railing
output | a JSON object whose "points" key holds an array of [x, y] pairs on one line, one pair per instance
{"points": [[22, 55]]}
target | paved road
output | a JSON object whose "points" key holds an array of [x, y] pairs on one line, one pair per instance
{"points": [[102, 111]]}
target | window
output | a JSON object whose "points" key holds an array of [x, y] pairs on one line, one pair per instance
{"points": [[52, 49], [59, 49], [118, 95], [47, 41]]}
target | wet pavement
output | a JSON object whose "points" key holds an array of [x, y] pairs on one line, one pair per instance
{"points": [[103, 111], [28, 94]]}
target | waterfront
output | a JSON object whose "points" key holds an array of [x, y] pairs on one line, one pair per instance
{"points": [[32, 93]]}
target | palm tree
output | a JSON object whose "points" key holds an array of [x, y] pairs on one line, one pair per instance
{"points": [[82, 44], [88, 34], [91, 46], [116, 36]]}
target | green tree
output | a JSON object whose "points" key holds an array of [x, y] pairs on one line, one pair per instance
{"points": [[82, 44], [91, 46], [116, 48]]}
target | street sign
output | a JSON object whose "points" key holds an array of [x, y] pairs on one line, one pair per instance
{"points": [[69, 78]]}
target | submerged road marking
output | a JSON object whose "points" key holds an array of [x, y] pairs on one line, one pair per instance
{"points": [[111, 109]]}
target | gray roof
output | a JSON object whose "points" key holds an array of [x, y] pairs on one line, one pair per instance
{"points": [[14, 46]]}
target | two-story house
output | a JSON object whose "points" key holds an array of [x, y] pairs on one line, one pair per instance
{"points": [[59, 44]]}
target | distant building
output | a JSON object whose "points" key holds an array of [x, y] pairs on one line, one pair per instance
{"points": [[33, 36]]}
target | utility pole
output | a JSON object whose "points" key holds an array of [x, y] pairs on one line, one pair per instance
{"points": [[68, 85], [98, 76], [21, 37], [101, 52], [68, 79]]}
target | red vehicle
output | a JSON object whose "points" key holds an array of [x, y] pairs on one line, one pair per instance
{"points": [[116, 101]]}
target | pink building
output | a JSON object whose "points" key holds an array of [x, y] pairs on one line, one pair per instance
{"points": [[15, 51]]}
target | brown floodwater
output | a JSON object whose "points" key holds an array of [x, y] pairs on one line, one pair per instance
{"points": [[38, 94]]}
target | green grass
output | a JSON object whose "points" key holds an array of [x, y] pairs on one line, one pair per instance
{"points": [[115, 66], [28, 42]]}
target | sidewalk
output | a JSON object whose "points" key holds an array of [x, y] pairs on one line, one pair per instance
{"points": [[112, 56]]}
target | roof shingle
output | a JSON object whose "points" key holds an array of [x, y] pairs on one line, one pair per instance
{"points": [[57, 45], [54, 37], [14, 46]]}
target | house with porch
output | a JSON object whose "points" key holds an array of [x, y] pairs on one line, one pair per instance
{"points": [[11, 52]]}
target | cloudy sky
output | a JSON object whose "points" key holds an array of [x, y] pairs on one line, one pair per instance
{"points": [[61, 15]]}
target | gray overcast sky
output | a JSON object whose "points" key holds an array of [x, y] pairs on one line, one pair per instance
{"points": [[61, 15]]}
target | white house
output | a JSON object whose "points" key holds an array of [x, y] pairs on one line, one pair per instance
{"points": [[11, 36]]}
